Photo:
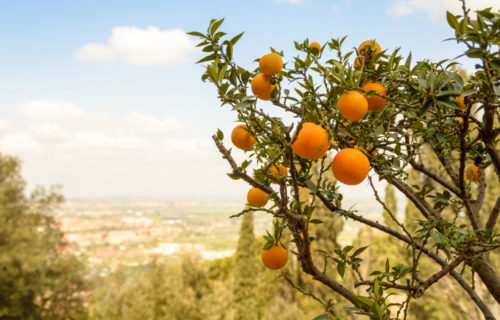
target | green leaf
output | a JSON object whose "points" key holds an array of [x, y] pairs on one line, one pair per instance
{"points": [[219, 35], [447, 93], [216, 26], [376, 288], [236, 38], [365, 301], [229, 51], [208, 58], [324, 316], [448, 104], [222, 72], [408, 61], [495, 64], [232, 176], [347, 249], [452, 20], [475, 53], [316, 221], [341, 269], [268, 246], [311, 186], [197, 34], [220, 134], [359, 251], [380, 315], [268, 238], [439, 237], [243, 104]]}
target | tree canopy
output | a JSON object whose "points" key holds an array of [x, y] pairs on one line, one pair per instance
{"points": [[385, 113]]}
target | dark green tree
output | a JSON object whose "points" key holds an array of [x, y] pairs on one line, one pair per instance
{"points": [[245, 272], [39, 278], [392, 205]]}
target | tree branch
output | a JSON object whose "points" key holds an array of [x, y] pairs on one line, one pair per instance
{"points": [[438, 179], [226, 154], [492, 219]]}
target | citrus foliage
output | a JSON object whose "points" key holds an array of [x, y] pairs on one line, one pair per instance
{"points": [[413, 111]]}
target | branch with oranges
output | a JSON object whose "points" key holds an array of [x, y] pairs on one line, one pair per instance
{"points": [[381, 113]]}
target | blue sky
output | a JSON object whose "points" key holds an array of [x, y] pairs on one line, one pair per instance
{"points": [[104, 97]]}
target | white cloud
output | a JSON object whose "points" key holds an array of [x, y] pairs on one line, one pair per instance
{"points": [[95, 139], [47, 110], [141, 122], [436, 9], [97, 154], [132, 45], [4, 126], [16, 143], [59, 118], [62, 125]]}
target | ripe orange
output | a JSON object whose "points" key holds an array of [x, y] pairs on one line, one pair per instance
{"points": [[257, 197], [353, 105], [280, 170], [241, 138], [461, 102], [471, 173], [375, 103], [275, 258], [312, 141], [262, 87], [270, 64], [350, 166], [315, 45], [365, 50], [357, 64]]}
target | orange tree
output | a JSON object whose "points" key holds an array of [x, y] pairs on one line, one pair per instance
{"points": [[392, 111]]}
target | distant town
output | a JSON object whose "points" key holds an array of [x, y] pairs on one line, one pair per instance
{"points": [[112, 233]]}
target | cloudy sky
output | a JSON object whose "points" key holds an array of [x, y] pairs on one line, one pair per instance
{"points": [[104, 97]]}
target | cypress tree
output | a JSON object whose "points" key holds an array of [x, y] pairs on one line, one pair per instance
{"points": [[412, 214], [245, 272], [392, 205]]}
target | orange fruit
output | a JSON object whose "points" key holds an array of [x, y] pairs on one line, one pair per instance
{"points": [[270, 64], [312, 141], [241, 138], [357, 64], [350, 166], [367, 51], [279, 170], [257, 197], [353, 105], [471, 173], [375, 103], [461, 102], [315, 45], [275, 258], [262, 87]]}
